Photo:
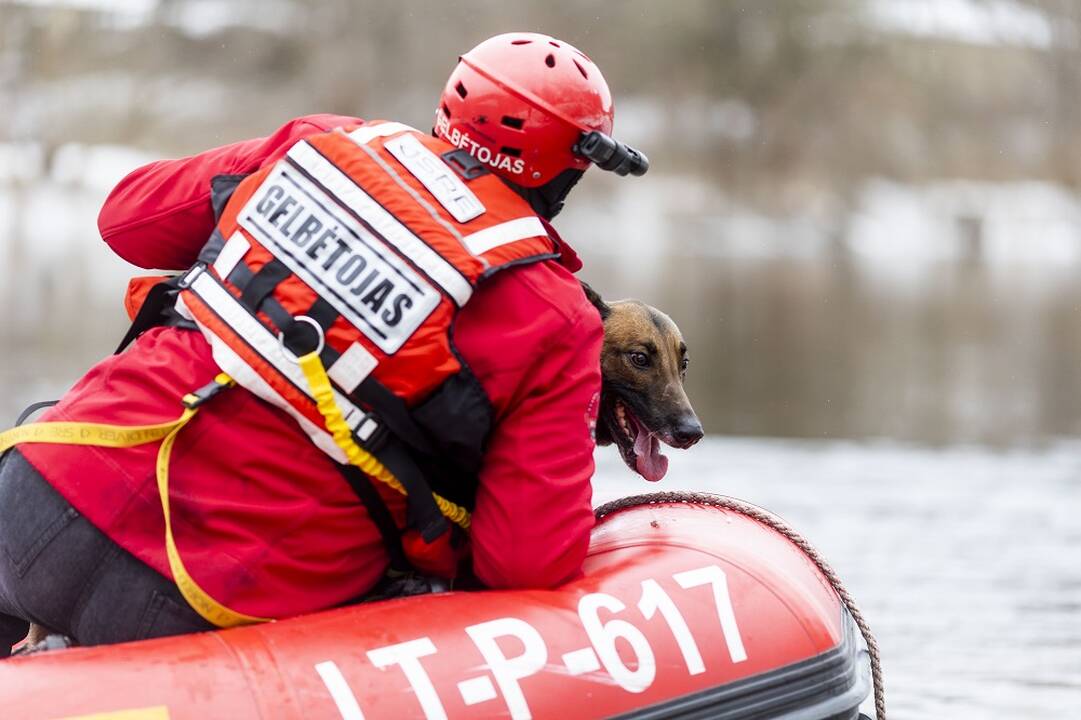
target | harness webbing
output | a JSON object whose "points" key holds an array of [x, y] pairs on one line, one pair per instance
{"points": [[379, 513], [157, 309]]}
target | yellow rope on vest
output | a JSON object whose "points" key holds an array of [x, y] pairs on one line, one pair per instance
{"points": [[118, 436], [321, 390]]}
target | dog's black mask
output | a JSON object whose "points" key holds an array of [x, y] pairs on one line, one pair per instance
{"points": [[547, 200]]}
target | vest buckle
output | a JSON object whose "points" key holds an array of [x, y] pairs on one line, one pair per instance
{"points": [[194, 399]]}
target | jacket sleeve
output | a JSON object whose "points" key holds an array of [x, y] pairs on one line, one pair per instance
{"points": [[159, 216], [533, 515]]}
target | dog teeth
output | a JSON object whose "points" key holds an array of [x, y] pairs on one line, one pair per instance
{"points": [[621, 418]]}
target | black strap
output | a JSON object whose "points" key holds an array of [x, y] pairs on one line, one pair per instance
{"points": [[210, 252], [222, 188], [422, 512], [324, 313], [240, 276], [152, 313], [263, 283], [394, 414], [380, 515], [463, 163], [33, 408]]}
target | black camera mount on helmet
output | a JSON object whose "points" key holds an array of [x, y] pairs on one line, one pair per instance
{"points": [[607, 153]]}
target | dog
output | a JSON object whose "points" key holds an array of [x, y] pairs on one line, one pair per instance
{"points": [[643, 367]]}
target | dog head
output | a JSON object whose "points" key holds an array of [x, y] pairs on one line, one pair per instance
{"points": [[643, 366]]}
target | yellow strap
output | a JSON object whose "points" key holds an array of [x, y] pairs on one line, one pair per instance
{"points": [[321, 390], [118, 436], [201, 601], [77, 433]]}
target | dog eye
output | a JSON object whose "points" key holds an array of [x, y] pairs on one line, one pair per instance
{"points": [[683, 364], [640, 359]]}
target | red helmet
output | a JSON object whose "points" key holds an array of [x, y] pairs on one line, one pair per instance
{"points": [[520, 103]]}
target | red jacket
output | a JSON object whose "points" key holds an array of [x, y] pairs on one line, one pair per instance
{"points": [[263, 520]]}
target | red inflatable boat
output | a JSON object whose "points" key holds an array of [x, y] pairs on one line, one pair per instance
{"points": [[686, 609]]}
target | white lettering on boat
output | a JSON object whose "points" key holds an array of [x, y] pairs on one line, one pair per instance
{"points": [[407, 656], [339, 690], [506, 670], [713, 575], [604, 635]]}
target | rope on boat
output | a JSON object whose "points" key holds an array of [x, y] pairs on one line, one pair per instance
{"points": [[772, 521]]}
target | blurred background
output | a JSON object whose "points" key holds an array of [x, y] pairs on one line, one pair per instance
{"points": [[865, 215]]}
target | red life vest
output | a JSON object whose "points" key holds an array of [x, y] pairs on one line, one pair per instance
{"points": [[363, 244]]}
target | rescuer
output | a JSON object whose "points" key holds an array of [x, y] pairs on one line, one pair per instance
{"points": [[375, 362]]}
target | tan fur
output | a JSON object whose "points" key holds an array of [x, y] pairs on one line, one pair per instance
{"points": [[633, 325], [37, 634]]}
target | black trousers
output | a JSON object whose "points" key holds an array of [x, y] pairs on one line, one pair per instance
{"points": [[58, 570]]}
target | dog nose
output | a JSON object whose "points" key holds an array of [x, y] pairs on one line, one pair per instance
{"points": [[687, 431]]}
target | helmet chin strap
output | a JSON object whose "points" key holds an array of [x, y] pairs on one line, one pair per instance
{"points": [[547, 200]]}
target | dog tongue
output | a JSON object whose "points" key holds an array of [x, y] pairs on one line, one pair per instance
{"points": [[648, 460]]}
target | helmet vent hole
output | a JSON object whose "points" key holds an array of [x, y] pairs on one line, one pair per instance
{"points": [[520, 42], [446, 110], [553, 43], [581, 69], [460, 88], [512, 151], [513, 122], [550, 61]]}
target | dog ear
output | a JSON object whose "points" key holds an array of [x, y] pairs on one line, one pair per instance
{"points": [[595, 299]]}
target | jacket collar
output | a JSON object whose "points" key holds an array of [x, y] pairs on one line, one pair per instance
{"points": [[568, 258]]}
